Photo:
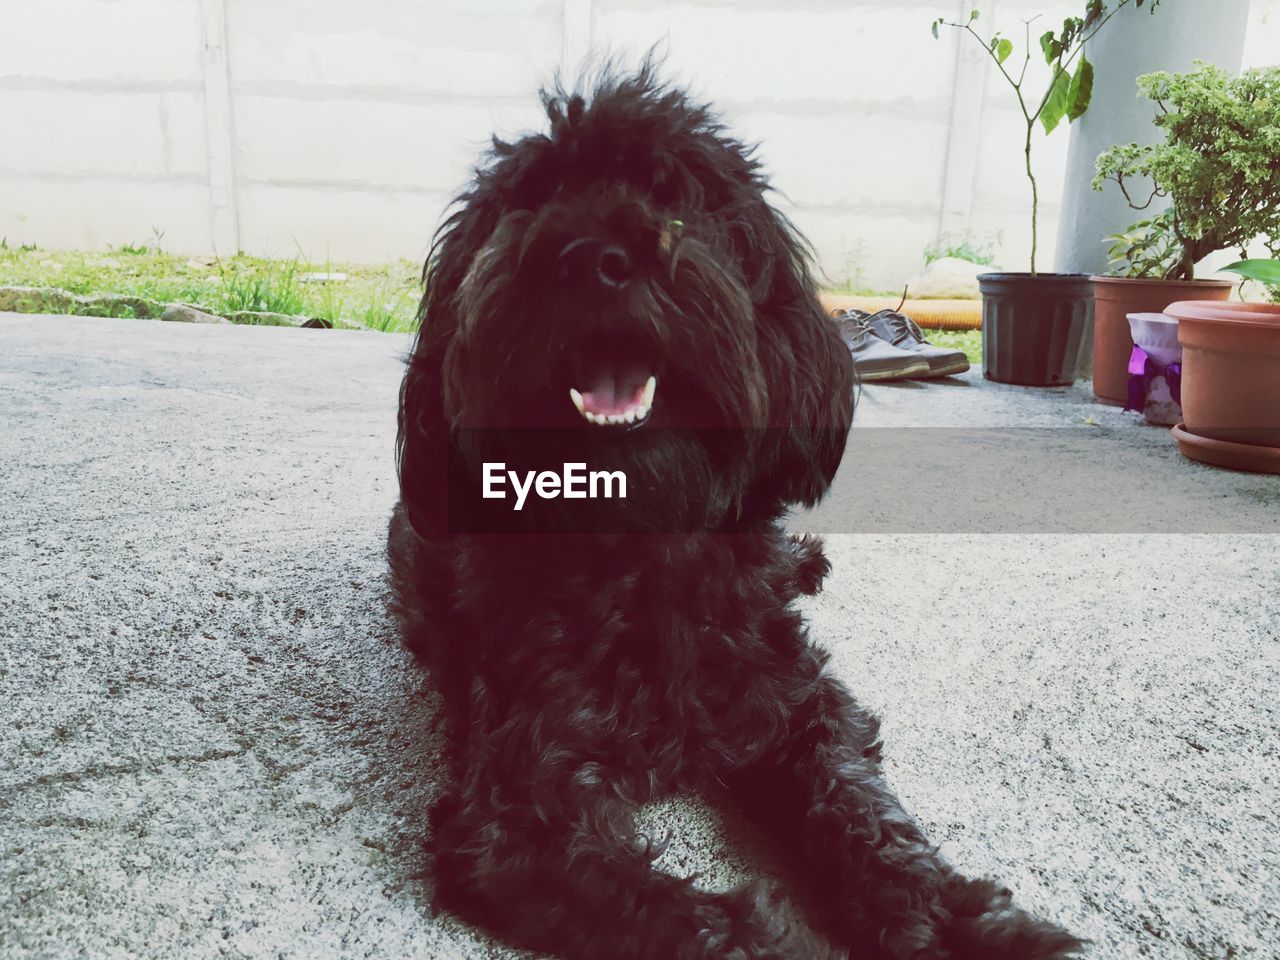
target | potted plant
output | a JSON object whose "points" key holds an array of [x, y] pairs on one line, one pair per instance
{"points": [[1217, 169], [1036, 325], [1266, 272], [1136, 283], [1231, 376], [1230, 383]]}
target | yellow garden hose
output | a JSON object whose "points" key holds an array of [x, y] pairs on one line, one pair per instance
{"points": [[931, 314]]}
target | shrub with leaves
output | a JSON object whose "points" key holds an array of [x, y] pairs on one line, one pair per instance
{"points": [[1146, 249], [1219, 167], [1070, 84]]}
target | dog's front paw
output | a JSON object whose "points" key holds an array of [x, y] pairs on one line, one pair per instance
{"points": [[985, 925], [759, 924], [811, 564]]}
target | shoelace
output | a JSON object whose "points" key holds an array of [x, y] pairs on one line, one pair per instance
{"points": [[902, 324], [899, 323], [856, 319]]}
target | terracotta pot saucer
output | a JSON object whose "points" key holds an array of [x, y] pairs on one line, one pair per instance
{"points": [[1223, 453]]}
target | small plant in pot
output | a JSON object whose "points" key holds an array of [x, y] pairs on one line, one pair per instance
{"points": [[1265, 272], [1218, 172], [1136, 283], [1036, 325]]}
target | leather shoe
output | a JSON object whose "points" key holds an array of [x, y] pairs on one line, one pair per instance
{"points": [[903, 332], [873, 357]]}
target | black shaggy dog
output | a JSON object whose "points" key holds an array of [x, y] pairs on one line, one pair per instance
{"points": [[618, 292]]}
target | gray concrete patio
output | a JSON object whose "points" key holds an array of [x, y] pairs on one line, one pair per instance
{"points": [[212, 745]]}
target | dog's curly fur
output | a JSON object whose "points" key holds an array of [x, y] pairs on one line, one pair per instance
{"points": [[586, 673]]}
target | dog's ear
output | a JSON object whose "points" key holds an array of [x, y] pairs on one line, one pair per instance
{"points": [[422, 441], [808, 368], [424, 438]]}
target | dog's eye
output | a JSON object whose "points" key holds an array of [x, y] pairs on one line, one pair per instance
{"points": [[665, 191]]}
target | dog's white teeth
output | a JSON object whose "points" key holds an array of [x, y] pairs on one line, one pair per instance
{"points": [[636, 414]]}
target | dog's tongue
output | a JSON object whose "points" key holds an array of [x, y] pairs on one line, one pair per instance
{"points": [[612, 388]]}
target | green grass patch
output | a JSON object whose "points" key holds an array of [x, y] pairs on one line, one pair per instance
{"points": [[970, 341], [271, 286], [849, 288], [377, 297], [382, 296]]}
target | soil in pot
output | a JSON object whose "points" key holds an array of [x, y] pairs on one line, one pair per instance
{"points": [[1035, 327], [1117, 297], [1230, 370]]}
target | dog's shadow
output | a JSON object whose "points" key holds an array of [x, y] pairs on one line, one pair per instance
{"points": [[951, 382]]}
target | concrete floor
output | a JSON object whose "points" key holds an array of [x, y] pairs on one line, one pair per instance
{"points": [[211, 744]]}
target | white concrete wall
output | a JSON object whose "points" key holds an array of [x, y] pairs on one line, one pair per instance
{"points": [[341, 127], [102, 123], [1135, 44]]}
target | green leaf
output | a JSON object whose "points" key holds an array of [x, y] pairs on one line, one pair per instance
{"points": [[974, 15], [934, 28], [1071, 28], [1266, 271], [1003, 49], [1055, 102], [1050, 45], [1081, 92]]}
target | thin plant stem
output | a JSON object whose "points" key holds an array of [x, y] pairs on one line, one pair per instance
{"points": [[1059, 65]]}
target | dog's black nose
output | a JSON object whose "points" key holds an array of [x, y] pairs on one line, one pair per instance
{"points": [[587, 260]]}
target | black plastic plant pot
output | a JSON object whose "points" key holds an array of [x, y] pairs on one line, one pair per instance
{"points": [[1036, 328]]}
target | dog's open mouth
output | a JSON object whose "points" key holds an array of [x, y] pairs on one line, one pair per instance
{"points": [[610, 391]]}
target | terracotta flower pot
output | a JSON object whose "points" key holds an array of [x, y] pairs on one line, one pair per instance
{"points": [[1230, 370], [1114, 298]]}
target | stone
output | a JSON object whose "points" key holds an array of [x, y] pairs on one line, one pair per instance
{"points": [[122, 305], [36, 300], [185, 313], [266, 318], [948, 278]]}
